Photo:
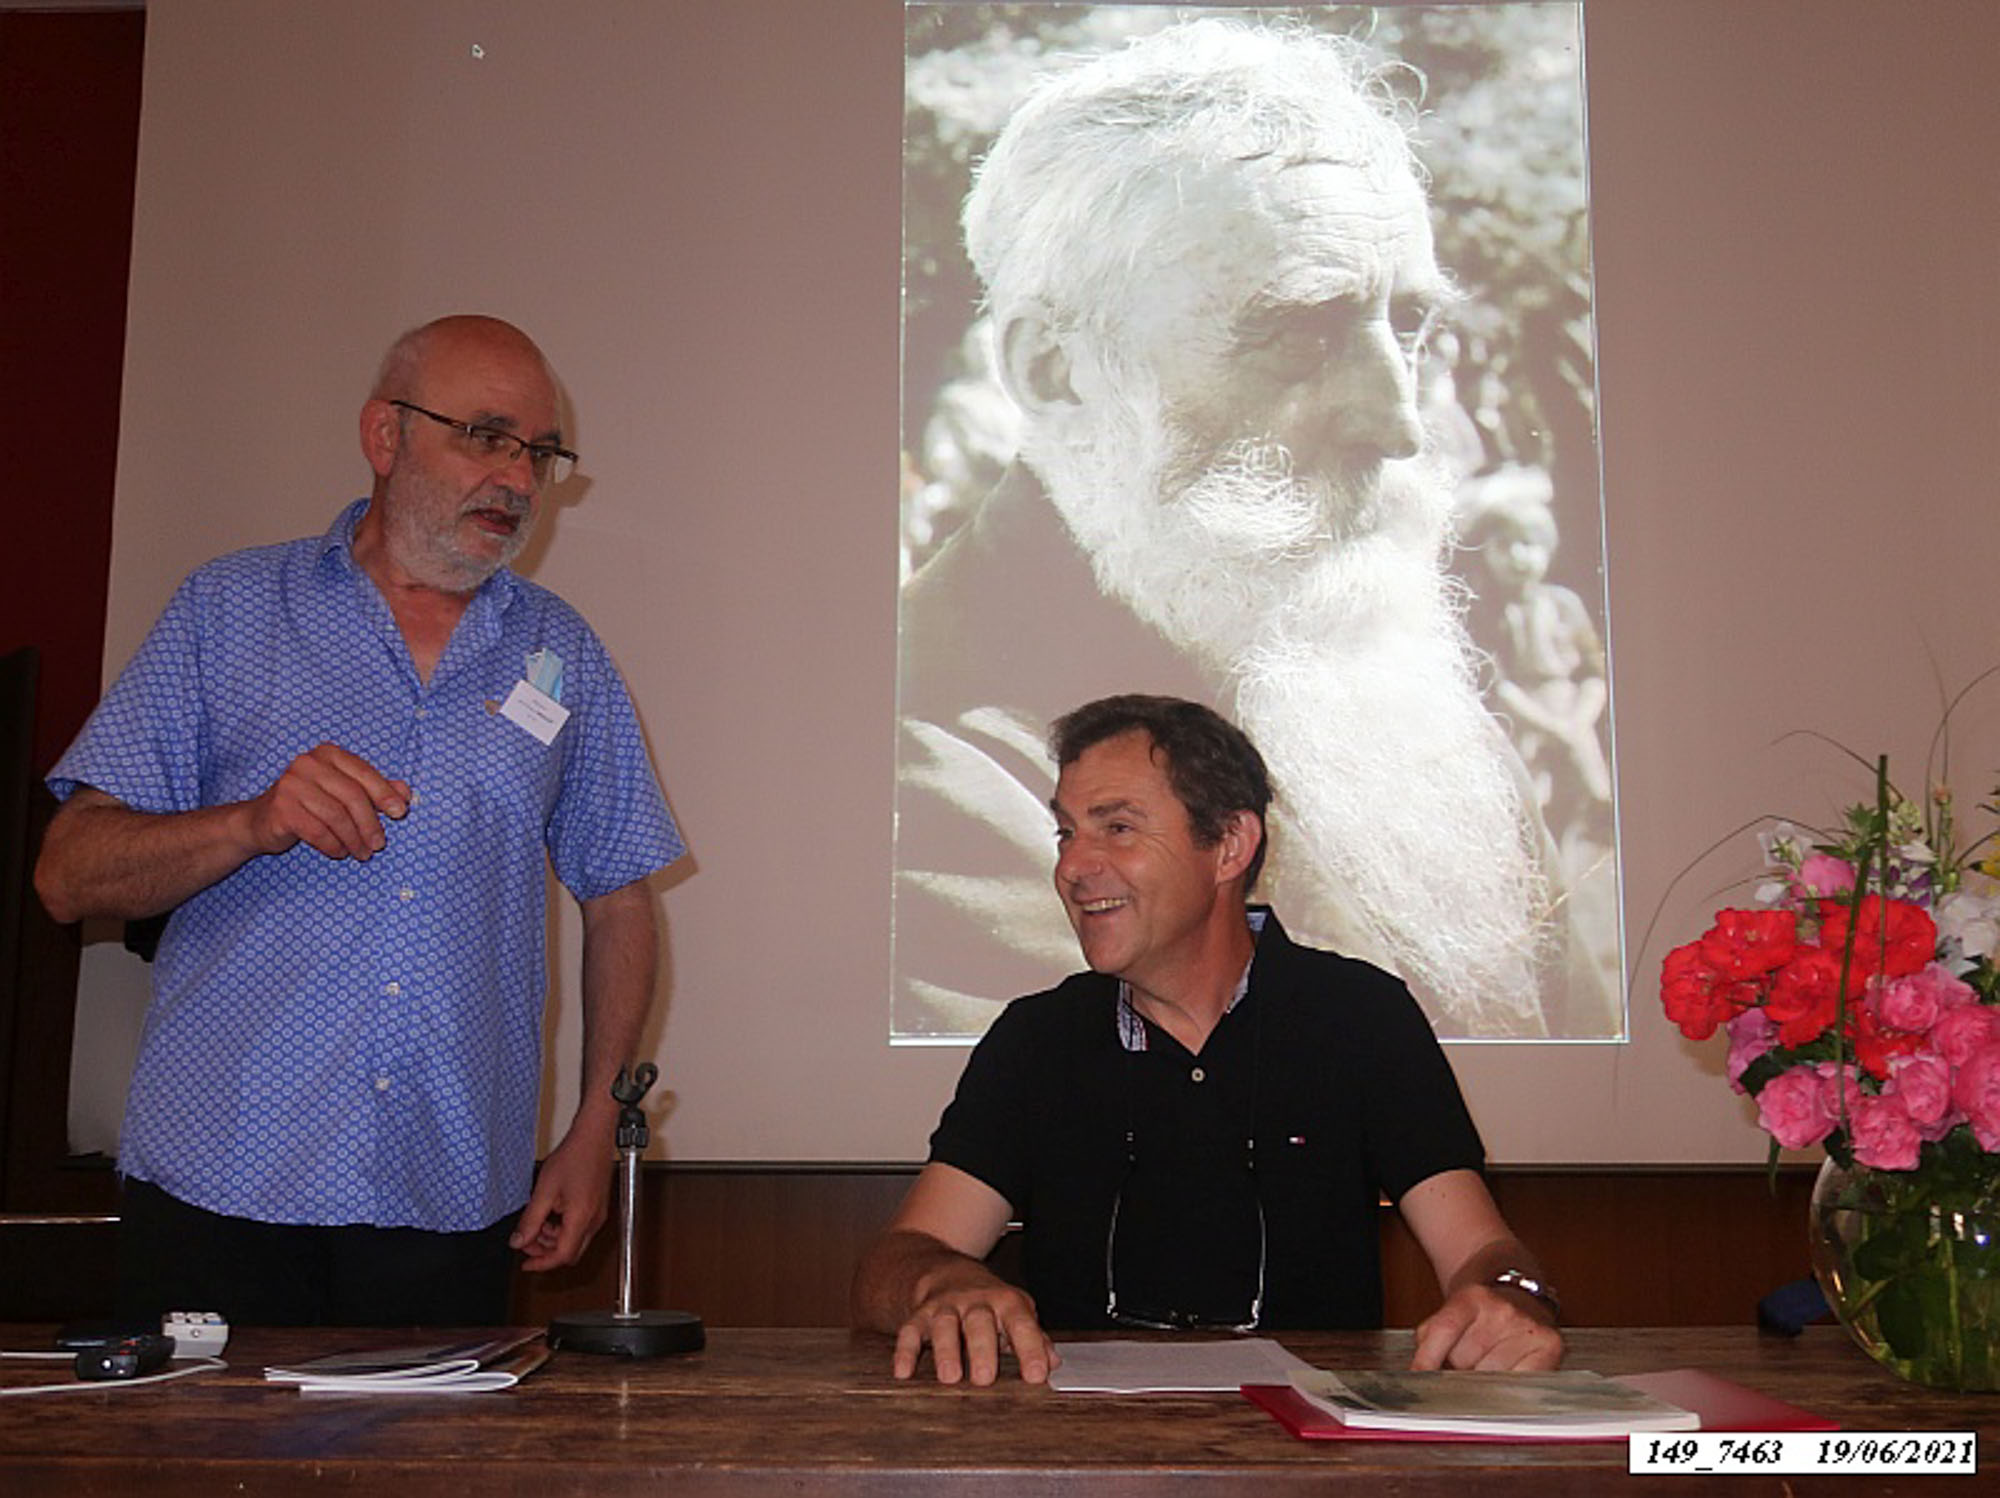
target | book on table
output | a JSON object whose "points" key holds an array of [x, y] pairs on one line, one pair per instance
{"points": [[448, 1367], [1569, 1405], [1688, 1398]]}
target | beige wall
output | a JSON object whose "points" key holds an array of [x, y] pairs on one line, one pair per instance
{"points": [[695, 208]]}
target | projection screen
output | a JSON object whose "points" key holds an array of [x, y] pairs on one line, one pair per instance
{"points": [[1413, 636]]}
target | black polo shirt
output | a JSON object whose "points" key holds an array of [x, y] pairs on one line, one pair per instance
{"points": [[1321, 1090]]}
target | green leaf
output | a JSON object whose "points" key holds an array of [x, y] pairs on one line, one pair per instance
{"points": [[1891, 1246], [1908, 1309]]}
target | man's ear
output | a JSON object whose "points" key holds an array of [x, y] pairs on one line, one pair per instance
{"points": [[1242, 836], [381, 435], [1036, 363]]}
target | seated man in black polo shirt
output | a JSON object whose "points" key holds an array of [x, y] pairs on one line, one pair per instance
{"points": [[1197, 1131]]}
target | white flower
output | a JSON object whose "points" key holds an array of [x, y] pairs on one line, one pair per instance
{"points": [[1783, 847], [1968, 919]]}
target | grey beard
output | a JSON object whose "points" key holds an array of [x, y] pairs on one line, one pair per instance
{"points": [[432, 559], [1404, 833]]}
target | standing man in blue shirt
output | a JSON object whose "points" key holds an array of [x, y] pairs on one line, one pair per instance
{"points": [[343, 764]]}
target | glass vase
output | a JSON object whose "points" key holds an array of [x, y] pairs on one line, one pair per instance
{"points": [[1912, 1271]]}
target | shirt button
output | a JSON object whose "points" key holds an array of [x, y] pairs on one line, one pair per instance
{"points": [[406, 893], [392, 989], [423, 712], [414, 798], [381, 1084], [1198, 1075]]}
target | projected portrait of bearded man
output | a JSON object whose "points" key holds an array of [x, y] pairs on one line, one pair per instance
{"points": [[1235, 469]]}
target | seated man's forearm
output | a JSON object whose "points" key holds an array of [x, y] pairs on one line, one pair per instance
{"points": [[1489, 1325], [904, 1268], [1481, 1325], [929, 1294]]}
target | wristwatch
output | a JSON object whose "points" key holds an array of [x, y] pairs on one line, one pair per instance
{"points": [[1527, 1284]]}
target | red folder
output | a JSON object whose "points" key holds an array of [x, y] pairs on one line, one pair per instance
{"points": [[1720, 1404]]}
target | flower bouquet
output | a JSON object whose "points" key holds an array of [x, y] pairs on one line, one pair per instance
{"points": [[1862, 1005]]}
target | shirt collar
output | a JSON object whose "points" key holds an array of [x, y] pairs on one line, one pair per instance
{"points": [[1132, 1028], [339, 538]]}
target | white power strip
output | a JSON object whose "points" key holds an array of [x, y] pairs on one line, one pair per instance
{"points": [[196, 1334]]}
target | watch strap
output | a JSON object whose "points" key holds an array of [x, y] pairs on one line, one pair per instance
{"points": [[1528, 1284]]}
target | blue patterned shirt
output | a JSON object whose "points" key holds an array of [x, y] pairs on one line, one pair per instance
{"points": [[333, 1041]]}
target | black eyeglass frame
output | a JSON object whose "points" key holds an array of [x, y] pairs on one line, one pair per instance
{"points": [[1182, 1321], [1185, 1321], [544, 458]]}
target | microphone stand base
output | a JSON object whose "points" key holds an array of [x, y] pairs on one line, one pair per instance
{"points": [[649, 1334]]}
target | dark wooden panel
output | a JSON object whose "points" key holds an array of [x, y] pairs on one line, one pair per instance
{"points": [[55, 1272], [1693, 1247], [774, 1246], [37, 1025], [737, 1245]]}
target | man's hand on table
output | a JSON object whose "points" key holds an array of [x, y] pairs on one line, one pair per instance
{"points": [[968, 1326], [1490, 1329]]}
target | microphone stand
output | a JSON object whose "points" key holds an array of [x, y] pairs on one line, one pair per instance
{"points": [[624, 1331]]}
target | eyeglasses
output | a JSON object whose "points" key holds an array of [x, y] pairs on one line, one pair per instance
{"points": [[1172, 1320], [1177, 1320], [497, 449]]}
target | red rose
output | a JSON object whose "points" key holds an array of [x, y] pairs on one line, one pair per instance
{"points": [[1696, 996], [1877, 1043], [1805, 995], [1893, 937], [1750, 943]]}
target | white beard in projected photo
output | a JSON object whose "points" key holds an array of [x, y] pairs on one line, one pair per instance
{"points": [[1253, 362]]}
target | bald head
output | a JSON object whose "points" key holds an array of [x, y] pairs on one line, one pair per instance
{"points": [[454, 340]]}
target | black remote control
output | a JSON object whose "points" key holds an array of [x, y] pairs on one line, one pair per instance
{"points": [[129, 1358]]}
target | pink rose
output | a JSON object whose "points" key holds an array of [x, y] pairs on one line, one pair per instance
{"points": [[1823, 874], [1976, 1091], [1923, 1084], [1839, 1087], [1884, 1137], [1963, 1029], [1751, 1034], [1916, 1002], [1791, 1107]]}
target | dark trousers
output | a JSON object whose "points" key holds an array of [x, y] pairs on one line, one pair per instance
{"points": [[176, 1257]]}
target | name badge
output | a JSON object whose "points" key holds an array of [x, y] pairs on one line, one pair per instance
{"points": [[533, 709]]}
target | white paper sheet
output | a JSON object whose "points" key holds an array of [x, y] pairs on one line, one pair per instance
{"points": [[1164, 1367]]}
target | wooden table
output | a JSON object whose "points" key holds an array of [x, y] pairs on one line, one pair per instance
{"points": [[769, 1411]]}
